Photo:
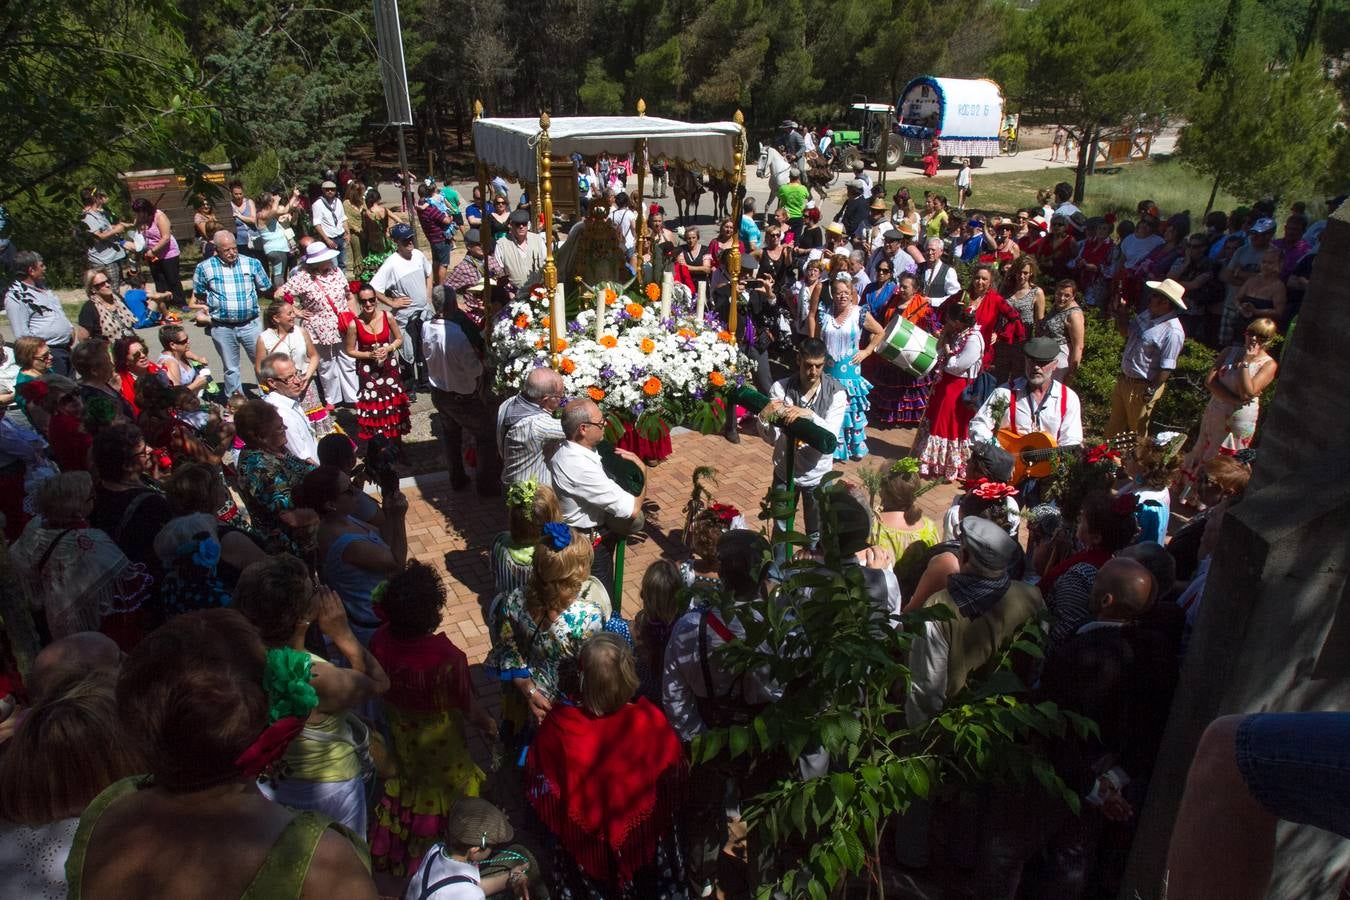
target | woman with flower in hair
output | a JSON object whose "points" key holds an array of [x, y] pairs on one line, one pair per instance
{"points": [[542, 625], [528, 506], [430, 695], [189, 550], [705, 531], [164, 830], [323, 768], [900, 523], [1152, 468]]}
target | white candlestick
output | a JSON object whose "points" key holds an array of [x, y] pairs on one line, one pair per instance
{"points": [[557, 316], [599, 313], [700, 303], [667, 292]]}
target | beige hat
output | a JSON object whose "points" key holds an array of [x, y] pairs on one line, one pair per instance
{"points": [[834, 228], [878, 204], [907, 229], [474, 822], [1169, 289]]}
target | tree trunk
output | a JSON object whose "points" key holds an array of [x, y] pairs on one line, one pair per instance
{"points": [[1213, 192], [1086, 150]]}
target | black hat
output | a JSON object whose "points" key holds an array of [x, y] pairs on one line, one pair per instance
{"points": [[993, 460], [472, 236]]}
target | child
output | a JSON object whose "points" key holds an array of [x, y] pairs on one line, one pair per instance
{"points": [[663, 602], [1151, 468], [707, 529], [454, 868], [528, 506], [149, 307], [429, 694], [963, 183]]}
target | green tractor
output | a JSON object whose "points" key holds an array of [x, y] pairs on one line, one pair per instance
{"points": [[868, 136]]}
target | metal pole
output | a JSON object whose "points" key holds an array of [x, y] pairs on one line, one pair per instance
{"points": [[790, 461], [734, 258], [409, 205]]}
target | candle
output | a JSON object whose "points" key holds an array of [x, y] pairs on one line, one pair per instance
{"points": [[599, 312], [667, 292], [557, 315], [701, 302]]}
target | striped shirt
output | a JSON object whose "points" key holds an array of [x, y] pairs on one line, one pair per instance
{"points": [[527, 443], [230, 292]]}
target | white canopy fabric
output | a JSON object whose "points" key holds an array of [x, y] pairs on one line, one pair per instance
{"points": [[507, 146]]}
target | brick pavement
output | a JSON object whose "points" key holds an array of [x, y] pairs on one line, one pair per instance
{"points": [[454, 530]]}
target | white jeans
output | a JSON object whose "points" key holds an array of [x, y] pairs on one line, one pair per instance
{"points": [[337, 374]]}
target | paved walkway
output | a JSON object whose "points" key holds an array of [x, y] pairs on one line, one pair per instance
{"points": [[454, 530]]}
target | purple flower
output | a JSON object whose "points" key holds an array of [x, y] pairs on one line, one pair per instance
{"points": [[740, 381], [637, 372], [698, 393], [639, 407], [574, 327], [607, 372]]}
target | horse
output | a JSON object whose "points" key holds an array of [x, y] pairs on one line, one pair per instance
{"points": [[721, 190], [776, 168], [687, 185]]}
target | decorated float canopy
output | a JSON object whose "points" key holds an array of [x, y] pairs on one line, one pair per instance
{"points": [[967, 113], [508, 146]]}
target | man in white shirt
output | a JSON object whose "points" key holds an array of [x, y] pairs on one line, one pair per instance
{"points": [[285, 387], [527, 432], [1036, 402], [813, 395], [330, 220], [403, 283], [588, 498], [521, 253], [474, 831], [857, 267], [625, 223], [937, 280], [453, 348]]}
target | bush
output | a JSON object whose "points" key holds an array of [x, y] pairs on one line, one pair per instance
{"points": [[1183, 403]]}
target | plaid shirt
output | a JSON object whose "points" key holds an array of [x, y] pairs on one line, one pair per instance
{"points": [[230, 292]]}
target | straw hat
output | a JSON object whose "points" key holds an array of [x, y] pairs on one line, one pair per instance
{"points": [[878, 205], [835, 228], [1169, 289]]}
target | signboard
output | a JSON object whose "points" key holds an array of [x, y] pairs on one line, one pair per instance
{"points": [[168, 191], [393, 71]]}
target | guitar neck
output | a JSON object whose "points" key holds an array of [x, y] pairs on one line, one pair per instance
{"points": [[1046, 453]]}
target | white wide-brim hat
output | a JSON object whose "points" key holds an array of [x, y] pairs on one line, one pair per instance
{"points": [[1169, 289]]}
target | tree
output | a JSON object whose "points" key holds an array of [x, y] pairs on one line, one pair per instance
{"points": [[1260, 133], [1100, 67]]}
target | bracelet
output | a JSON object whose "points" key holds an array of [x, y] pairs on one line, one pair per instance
{"points": [[532, 691]]}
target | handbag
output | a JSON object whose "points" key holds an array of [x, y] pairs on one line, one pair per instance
{"points": [[345, 317], [979, 390]]}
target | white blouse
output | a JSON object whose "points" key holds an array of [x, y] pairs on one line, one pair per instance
{"points": [[967, 361], [33, 859]]}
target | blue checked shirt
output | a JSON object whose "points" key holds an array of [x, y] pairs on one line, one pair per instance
{"points": [[230, 292]]}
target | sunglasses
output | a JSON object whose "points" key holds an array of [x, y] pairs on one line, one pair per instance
{"points": [[364, 300], [98, 284], [883, 271]]}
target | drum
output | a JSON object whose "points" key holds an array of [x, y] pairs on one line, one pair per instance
{"points": [[909, 347]]}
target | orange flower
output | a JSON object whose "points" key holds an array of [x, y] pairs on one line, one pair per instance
{"points": [[686, 334], [726, 336], [717, 379], [653, 290], [522, 321], [567, 366], [562, 345], [648, 345], [539, 343], [652, 386], [611, 297], [595, 394], [608, 341], [633, 310], [543, 322]]}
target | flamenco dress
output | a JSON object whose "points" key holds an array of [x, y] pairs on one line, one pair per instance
{"points": [[381, 401], [842, 342]]}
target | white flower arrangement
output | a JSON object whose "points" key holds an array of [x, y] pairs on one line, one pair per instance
{"points": [[641, 367]]}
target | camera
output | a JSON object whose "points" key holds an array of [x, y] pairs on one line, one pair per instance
{"points": [[380, 454]]}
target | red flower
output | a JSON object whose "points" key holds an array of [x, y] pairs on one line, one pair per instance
{"points": [[971, 484], [724, 512], [268, 747], [1102, 453], [994, 490]]}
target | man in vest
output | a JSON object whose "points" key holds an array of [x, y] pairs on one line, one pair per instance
{"points": [[987, 607], [937, 279], [1036, 402], [812, 394]]}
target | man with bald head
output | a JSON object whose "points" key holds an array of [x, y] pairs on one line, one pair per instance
{"points": [[589, 499], [228, 285], [527, 432], [1121, 676]]}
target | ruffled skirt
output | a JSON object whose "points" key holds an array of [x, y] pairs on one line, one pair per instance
{"points": [[897, 397], [944, 442], [853, 433]]}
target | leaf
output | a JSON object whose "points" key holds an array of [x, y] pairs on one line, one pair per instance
{"points": [[740, 740], [798, 809], [871, 776], [708, 744], [843, 786], [1029, 648], [916, 776]]}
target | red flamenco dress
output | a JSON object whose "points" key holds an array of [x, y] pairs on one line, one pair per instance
{"points": [[381, 401], [996, 317], [429, 695]]}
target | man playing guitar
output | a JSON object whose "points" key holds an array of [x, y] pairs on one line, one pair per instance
{"points": [[1031, 416]]}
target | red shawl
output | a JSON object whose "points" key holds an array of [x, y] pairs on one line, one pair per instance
{"points": [[993, 316], [1094, 556], [609, 787]]}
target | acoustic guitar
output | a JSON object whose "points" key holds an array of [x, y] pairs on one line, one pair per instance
{"points": [[1033, 453]]}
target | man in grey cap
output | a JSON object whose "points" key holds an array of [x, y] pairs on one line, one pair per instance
{"points": [[477, 277], [1034, 402], [853, 214], [986, 607], [521, 253], [449, 870]]}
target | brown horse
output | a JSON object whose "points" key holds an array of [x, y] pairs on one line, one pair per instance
{"points": [[721, 190], [687, 186]]}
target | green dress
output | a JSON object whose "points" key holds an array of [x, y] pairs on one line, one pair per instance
{"points": [[281, 875]]}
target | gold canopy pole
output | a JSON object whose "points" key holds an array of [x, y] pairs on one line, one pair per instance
{"points": [[544, 163], [641, 154], [484, 204], [734, 257]]}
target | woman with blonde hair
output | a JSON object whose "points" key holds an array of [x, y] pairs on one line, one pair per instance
{"points": [[103, 314], [529, 505], [664, 600], [1235, 384], [606, 776], [543, 624]]}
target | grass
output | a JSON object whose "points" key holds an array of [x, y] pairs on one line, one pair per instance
{"points": [[1163, 180]]}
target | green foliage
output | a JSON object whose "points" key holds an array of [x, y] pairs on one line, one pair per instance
{"points": [[1263, 133], [600, 96], [842, 663]]}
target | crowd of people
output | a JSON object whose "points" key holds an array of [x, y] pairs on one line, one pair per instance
{"points": [[223, 631]]}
